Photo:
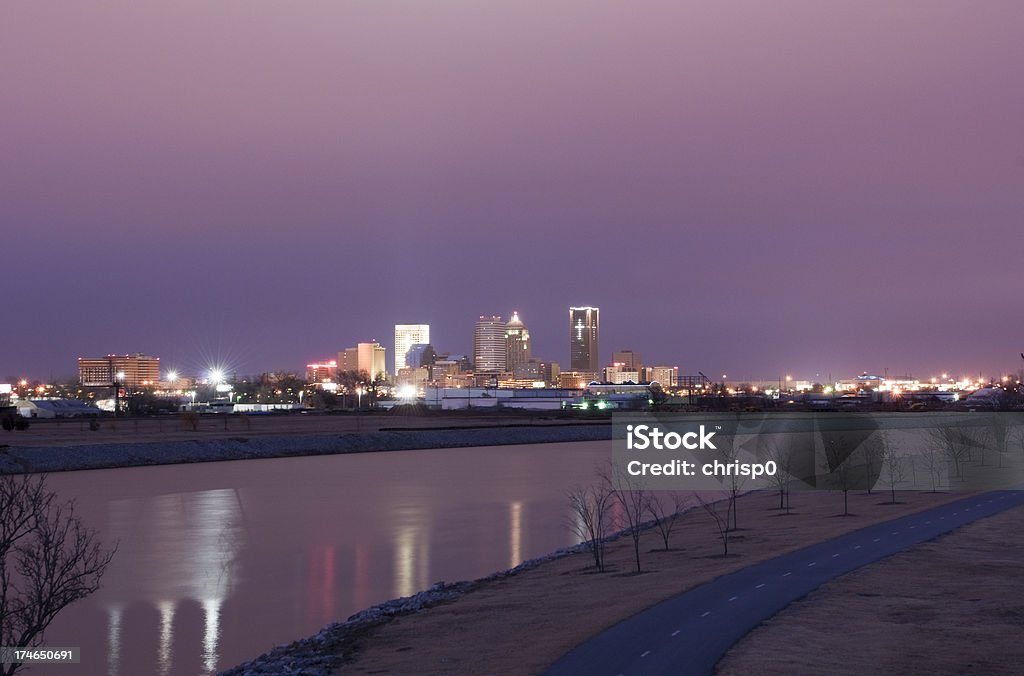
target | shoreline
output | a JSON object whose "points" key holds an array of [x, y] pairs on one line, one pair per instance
{"points": [[555, 602], [77, 457]]}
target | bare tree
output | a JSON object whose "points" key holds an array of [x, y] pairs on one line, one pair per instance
{"points": [[951, 441], [632, 500], [1017, 436], [871, 454], [894, 467], [591, 508], [932, 459], [48, 560], [728, 453], [721, 519], [783, 455], [839, 467], [1000, 434], [665, 509]]}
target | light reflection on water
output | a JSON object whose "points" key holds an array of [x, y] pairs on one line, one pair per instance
{"points": [[219, 562]]}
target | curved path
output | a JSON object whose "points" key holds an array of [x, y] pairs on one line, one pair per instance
{"points": [[689, 633]]}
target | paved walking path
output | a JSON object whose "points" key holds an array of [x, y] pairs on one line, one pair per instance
{"points": [[689, 633]]}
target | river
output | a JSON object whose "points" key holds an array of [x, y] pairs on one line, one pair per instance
{"points": [[219, 562]]}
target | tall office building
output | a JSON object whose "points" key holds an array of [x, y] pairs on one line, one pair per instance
{"points": [[628, 360], [407, 335], [348, 359], [489, 345], [517, 343], [583, 339], [130, 370], [371, 359]]}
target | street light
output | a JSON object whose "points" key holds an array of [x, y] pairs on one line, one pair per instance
{"points": [[118, 382]]}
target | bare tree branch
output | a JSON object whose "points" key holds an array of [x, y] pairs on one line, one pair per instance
{"points": [[48, 560]]}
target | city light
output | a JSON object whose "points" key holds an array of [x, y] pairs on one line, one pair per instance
{"points": [[172, 376]]}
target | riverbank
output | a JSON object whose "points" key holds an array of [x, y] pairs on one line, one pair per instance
{"points": [[410, 434], [521, 621]]}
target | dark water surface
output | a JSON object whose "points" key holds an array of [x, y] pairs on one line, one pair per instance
{"points": [[218, 562]]}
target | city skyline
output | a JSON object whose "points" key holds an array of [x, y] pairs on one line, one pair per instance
{"points": [[497, 343], [742, 188]]}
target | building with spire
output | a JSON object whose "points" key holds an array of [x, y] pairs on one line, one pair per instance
{"points": [[517, 343]]}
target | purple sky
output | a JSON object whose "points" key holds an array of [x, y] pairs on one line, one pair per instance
{"points": [[743, 187]]}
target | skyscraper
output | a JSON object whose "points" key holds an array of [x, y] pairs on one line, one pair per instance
{"points": [[583, 339], [517, 343], [489, 345], [371, 359], [407, 335]]}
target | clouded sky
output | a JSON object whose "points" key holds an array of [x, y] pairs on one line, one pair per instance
{"points": [[743, 187]]}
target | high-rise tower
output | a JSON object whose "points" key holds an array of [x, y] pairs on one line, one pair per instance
{"points": [[583, 339], [407, 335], [517, 343], [489, 345]]}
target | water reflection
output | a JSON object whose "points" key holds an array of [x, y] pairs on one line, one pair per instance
{"points": [[114, 637], [412, 560], [211, 611], [219, 562], [163, 659], [320, 592], [515, 531], [189, 543]]}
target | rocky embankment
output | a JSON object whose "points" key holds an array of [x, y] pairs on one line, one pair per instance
{"points": [[16, 460], [323, 653]]}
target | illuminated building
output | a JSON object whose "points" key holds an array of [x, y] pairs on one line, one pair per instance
{"points": [[489, 345], [618, 374], [666, 376], [130, 370], [629, 360], [576, 380], [583, 339], [371, 359], [517, 343], [407, 335], [348, 360], [322, 372]]}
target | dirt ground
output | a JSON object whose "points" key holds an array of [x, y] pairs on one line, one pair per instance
{"points": [[951, 606], [521, 625]]}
